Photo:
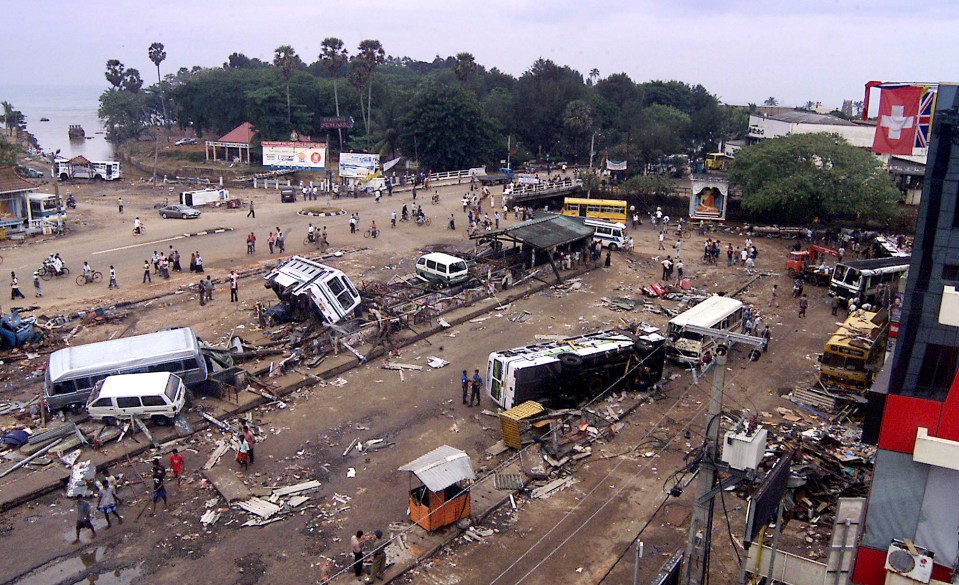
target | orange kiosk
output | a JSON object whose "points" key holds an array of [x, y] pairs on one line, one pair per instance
{"points": [[443, 496]]}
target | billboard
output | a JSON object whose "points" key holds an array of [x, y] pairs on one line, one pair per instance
{"points": [[304, 156], [708, 197], [358, 164]]}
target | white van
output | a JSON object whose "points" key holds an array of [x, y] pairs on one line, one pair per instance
{"points": [[159, 396], [442, 268], [609, 234]]}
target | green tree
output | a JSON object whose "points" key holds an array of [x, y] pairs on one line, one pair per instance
{"points": [[540, 100], [12, 117], [771, 101], [8, 153], [448, 129], [465, 66], [371, 55], [661, 130], [286, 60], [593, 76], [132, 82], [125, 113], [801, 177], [578, 120], [114, 73], [157, 54], [646, 187], [334, 57]]}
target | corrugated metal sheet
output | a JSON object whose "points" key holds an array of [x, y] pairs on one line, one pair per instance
{"points": [[549, 231], [441, 468]]}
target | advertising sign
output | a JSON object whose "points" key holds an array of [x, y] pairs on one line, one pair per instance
{"points": [[304, 156], [357, 164], [708, 198], [334, 122]]}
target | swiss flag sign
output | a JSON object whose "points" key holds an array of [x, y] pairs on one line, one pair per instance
{"points": [[898, 118]]}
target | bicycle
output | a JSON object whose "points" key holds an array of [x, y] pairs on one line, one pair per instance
{"points": [[95, 276], [142, 231], [436, 199], [371, 233], [47, 272], [423, 221]]}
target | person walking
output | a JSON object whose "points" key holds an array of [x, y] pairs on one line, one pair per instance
{"points": [[677, 248], [176, 466], [356, 546], [146, 272], [199, 263], [176, 261], [679, 271], [120, 203], [243, 453], [803, 305], [379, 557], [475, 385], [270, 241], [234, 287], [107, 501], [773, 298], [113, 278], [465, 383], [36, 283], [159, 489], [609, 258], [208, 288], [83, 518], [280, 241], [15, 287], [835, 304], [250, 243], [750, 264], [496, 219], [251, 212], [662, 240], [667, 268], [250, 442]]}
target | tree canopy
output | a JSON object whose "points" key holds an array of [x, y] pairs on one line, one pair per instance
{"points": [[801, 177], [549, 109]]}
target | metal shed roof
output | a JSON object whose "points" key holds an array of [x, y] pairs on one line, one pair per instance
{"points": [[441, 468], [548, 231]]}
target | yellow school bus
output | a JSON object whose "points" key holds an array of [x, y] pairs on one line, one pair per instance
{"points": [[855, 351], [608, 209]]}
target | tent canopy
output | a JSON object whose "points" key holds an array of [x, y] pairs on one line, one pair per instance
{"points": [[441, 468]]}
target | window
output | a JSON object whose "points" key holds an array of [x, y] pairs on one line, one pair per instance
{"points": [[153, 401], [431, 264], [172, 387], [939, 365], [128, 402], [421, 262], [102, 403], [458, 267], [190, 364], [164, 367]]}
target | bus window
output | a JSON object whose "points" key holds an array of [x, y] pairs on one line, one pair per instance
{"points": [[840, 273]]}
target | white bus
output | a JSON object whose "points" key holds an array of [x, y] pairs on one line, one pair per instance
{"points": [[108, 170], [73, 372], [567, 371], [861, 279], [716, 312], [314, 288]]}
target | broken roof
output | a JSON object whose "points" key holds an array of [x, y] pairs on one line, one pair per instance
{"points": [[11, 182], [803, 117], [548, 231], [441, 468]]}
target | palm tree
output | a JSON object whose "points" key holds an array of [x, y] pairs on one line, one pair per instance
{"points": [[284, 59], [371, 55], [334, 58], [465, 66], [771, 101], [593, 74], [132, 82], [114, 73], [157, 54]]}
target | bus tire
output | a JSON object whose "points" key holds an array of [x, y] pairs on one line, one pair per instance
{"points": [[596, 385], [570, 360], [613, 247]]}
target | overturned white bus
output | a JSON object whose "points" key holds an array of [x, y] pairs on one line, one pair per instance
{"points": [[314, 288], [568, 371]]}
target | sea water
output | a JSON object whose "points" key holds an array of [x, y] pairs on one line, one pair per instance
{"points": [[64, 106]]}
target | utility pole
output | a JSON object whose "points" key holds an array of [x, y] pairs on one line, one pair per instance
{"points": [[696, 564], [592, 150], [56, 187]]}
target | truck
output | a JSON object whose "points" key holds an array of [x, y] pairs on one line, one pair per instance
{"points": [[810, 264], [567, 371], [501, 176]]}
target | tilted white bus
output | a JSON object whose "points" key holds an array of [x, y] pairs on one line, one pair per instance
{"points": [[567, 371], [716, 312], [314, 288], [860, 280]]}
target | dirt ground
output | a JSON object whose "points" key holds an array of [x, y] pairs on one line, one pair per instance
{"points": [[574, 536]]}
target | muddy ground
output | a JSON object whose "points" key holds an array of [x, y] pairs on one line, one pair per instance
{"points": [[572, 537]]}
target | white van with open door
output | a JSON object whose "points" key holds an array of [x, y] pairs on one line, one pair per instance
{"points": [[609, 234], [158, 396], [442, 268]]}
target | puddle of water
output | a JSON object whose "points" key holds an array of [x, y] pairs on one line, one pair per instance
{"points": [[60, 570], [121, 576]]}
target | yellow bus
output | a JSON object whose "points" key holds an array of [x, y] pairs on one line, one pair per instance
{"points": [[855, 351], [608, 209]]}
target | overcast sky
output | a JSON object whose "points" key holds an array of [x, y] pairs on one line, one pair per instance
{"points": [[743, 51]]}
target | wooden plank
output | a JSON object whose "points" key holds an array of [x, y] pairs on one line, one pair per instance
{"points": [[221, 448], [227, 484]]}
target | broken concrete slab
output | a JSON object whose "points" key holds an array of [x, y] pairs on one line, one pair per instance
{"points": [[228, 485]]}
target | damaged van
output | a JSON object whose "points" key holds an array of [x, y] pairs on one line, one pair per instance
{"points": [[563, 373]]}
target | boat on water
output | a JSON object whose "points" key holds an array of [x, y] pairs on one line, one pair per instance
{"points": [[44, 119], [76, 132]]}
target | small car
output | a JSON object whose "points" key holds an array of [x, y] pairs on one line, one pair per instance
{"points": [[179, 211], [157, 396], [184, 141], [30, 173]]}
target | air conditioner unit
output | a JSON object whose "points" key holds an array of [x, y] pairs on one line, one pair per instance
{"points": [[910, 561]]}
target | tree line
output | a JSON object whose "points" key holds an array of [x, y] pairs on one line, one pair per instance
{"points": [[451, 112]]}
